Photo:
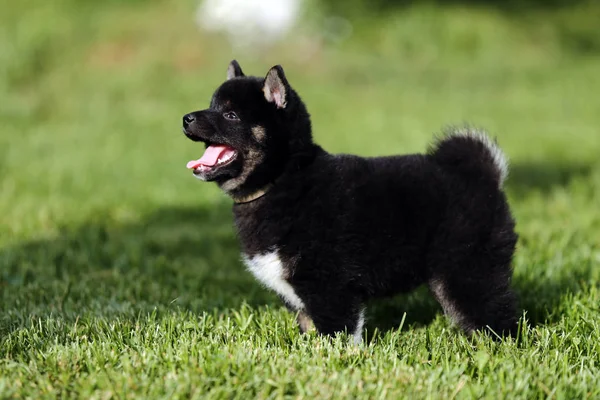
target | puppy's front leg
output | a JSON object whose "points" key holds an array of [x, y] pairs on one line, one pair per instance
{"points": [[334, 315], [305, 323]]}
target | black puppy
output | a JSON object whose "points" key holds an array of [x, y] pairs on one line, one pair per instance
{"points": [[328, 232]]}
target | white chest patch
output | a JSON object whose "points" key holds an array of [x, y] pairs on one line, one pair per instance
{"points": [[268, 269]]}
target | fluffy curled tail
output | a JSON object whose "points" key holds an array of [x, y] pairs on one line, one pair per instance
{"points": [[471, 153]]}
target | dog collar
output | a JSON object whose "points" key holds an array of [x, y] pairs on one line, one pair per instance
{"points": [[253, 196]]}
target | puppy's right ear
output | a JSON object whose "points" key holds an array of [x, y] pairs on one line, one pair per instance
{"points": [[276, 87], [234, 70]]}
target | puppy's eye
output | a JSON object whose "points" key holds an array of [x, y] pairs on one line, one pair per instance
{"points": [[231, 116]]}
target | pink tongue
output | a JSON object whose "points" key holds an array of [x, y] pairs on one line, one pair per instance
{"points": [[210, 157]]}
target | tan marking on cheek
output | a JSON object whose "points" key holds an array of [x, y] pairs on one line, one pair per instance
{"points": [[251, 161], [258, 132]]}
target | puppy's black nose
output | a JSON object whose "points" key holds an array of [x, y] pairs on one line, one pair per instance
{"points": [[188, 119]]}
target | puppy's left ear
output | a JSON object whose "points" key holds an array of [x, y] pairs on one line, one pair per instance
{"points": [[234, 70], [276, 87]]}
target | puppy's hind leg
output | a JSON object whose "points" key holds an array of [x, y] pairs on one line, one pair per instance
{"points": [[476, 304], [472, 283], [469, 267]]}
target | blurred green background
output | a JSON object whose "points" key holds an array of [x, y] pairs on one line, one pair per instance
{"points": [[100, 221], [92, 93]]}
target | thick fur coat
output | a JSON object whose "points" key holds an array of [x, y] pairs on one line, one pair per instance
{"points": [[328, 232]]}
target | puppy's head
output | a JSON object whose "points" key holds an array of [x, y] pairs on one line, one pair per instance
{"points": [[251, 129]]}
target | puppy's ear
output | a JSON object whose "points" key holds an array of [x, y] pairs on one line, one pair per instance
{"points": [[276, 87], [234, 70]]}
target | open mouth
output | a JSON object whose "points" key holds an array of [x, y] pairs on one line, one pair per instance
{"points": [[215, 156]]}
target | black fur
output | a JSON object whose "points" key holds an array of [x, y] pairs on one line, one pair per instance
{"points": [[347, 228]]}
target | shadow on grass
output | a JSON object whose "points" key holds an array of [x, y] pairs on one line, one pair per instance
{"points": [[539, 297], [543, 176], [175, 257], [188, 257]]}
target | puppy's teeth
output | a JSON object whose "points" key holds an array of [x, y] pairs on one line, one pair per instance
{"points": [[224, 159]]}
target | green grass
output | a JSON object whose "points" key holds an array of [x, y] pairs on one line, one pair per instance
{"points": [[120, 274]]}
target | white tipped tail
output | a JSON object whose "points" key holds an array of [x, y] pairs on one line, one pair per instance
{"points": [[468, 150]]}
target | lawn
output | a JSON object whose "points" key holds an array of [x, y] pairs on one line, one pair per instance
{"points": [[120, 274]]}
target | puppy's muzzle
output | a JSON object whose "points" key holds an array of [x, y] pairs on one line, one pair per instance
{"points": [[197, 126]]}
